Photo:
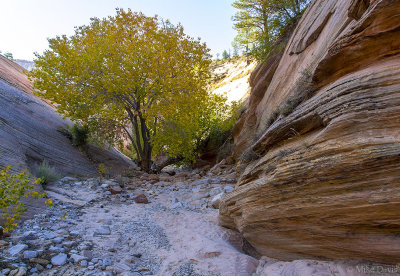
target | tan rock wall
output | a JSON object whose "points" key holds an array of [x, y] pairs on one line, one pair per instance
{"points": [[325, 182]]}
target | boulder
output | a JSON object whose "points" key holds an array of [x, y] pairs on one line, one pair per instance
{"points": [[320, 178]]}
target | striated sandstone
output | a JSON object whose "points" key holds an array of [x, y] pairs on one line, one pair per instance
{"points": [[31, 131], [324, 180]]}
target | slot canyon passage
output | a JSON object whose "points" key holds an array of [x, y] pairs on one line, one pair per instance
{"points": [[312, 185]]}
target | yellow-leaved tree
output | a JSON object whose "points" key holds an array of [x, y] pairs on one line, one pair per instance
{"points": [[136, 77]]}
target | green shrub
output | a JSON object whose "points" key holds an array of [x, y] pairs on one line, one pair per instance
{"points": [[79, 135], [14, 187], [102, 170], [46, 173]]}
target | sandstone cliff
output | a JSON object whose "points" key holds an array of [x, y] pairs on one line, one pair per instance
{"points": [[231, 78], [31, 131], [318, 149]]}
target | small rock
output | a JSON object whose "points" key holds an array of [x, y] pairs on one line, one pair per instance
{"points": [[105, 230], [55, 249], [58, 240], [60, 259], [74, 233], [29, 254], [212, 254], [49, 235], [107, 261], [114, 189], [3, 243], [21, 271], [39, 261], [215, 180], [49, 266], [203, 181], [176, 205], [216, 200], [77, 258], [68, 179], [182, 174], [83, 263], [228, 189], [39, 267], [28, 236], [17, 249], [68, 244], [141, 199], [88, 254]]}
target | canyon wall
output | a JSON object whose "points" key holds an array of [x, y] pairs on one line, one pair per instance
{"points": [[318, 149], [31, 131]]}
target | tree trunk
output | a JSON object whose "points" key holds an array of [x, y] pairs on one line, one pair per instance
{"points": [[169, 161]]}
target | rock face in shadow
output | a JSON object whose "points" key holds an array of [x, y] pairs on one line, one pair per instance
{"points": [[30, 133], [318, 149]]}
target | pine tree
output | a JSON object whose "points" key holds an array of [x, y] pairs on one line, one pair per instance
{"points": [[225, 55], [259, 23]]}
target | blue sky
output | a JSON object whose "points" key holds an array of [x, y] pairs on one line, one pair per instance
{"points": [[25, 25]]}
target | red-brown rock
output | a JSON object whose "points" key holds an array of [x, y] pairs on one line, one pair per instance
{"points": [[142, 198], [115, 189]]}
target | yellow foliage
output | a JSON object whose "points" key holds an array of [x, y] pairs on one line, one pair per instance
{"points": [[131, 76], [13, 187]]}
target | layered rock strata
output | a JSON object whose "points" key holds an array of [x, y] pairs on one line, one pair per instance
{"points": [[318, 149]]}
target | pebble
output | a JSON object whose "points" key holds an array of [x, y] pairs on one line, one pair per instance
{"points": [[39, 261], [88, 254], [58, 240], [107, 261], [29, 254], [74, 233], [105, 230], [49, 235], [16, 249], [228, 189], [60, 259], [77, 258]]}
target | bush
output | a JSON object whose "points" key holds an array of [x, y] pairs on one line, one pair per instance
{"points": [[102, 170], [46, 173], [79, 135], [14, 187]]}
